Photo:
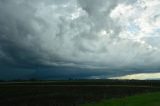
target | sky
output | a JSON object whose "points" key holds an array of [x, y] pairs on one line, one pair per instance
{"points": [[76, 39]]}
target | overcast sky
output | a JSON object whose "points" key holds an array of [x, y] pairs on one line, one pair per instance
{"points": [[62, 39]]}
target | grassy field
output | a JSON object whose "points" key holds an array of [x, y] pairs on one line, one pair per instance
{"points": [[70, 93], [150, 99]]}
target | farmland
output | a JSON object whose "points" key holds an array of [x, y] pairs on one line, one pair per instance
{"points": [[149, 99], [71, 92]]}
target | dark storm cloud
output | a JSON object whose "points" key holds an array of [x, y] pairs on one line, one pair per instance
{"points": [[53, 39]]}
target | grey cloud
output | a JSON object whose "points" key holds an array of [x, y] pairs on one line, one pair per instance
{"points": [[41, 35]]}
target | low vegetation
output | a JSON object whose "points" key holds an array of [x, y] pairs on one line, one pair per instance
{"points": [[70, 93], [150, 99]]}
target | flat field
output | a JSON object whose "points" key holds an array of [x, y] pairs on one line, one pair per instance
{"points": [[70, 93], [149, 99]]}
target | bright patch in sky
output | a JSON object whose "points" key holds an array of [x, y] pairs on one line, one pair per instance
{"points": [[141, 76]]}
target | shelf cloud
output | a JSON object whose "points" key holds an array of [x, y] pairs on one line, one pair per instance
{"points": [[55, 39]]}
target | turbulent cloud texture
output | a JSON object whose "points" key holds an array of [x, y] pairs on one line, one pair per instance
{"points": [[78, 37]]}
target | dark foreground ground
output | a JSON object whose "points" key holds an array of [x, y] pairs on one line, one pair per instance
{"points": [[146, 99], [69, 93]]}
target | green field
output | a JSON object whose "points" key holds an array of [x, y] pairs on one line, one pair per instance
{"points": [[150, 99], [72, 92]]}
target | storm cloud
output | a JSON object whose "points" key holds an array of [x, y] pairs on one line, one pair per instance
{"points": [[53, 39]]}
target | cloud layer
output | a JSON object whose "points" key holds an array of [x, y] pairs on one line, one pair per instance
{"points": [[107, 36]]}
